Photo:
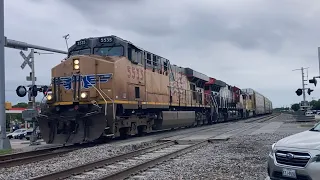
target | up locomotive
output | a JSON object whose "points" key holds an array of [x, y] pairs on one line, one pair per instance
{"points": [[109, 87]]}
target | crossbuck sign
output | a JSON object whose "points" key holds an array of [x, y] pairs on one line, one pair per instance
{"points": [[27, 60]]}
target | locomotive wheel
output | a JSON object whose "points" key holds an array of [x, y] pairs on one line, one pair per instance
{"points": [[141, 131], [123, 133]]}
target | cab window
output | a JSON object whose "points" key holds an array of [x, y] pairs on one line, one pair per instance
{"points": [[80, 52], [109, 51]]}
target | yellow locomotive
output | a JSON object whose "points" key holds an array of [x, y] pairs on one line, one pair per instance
{"points": [[108, 87]]}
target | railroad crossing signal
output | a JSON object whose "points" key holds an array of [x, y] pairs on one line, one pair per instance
{"points": [[299, 92], [28, 61], [314, 81]]}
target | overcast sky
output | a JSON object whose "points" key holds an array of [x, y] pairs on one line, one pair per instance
{"points": [[246, 43]]}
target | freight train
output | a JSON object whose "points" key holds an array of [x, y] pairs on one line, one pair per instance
{"points": [[108, 87]]}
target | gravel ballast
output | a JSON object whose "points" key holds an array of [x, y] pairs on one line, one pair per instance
{"points": [[67, 161], [243, 157]]}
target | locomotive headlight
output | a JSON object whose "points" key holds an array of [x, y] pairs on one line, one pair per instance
{"points": [[76, 61], [83, 95], [49, 97], [76, 64]]}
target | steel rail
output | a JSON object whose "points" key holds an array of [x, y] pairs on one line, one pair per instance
{"points": [[152, 162], [89, 166], [17, 159], [32, 158]]}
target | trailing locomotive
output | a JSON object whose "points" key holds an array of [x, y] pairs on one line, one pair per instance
{"points": [[108, 87]]}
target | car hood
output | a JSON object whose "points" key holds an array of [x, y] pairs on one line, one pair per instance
{"points": [[303, 140], [11, 134]]}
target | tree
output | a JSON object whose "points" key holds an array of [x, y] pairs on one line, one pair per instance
{"points": [[21, 105], [295, 107]]}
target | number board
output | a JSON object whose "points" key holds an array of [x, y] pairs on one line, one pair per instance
{"points": [[105, 40], [81, 42]]}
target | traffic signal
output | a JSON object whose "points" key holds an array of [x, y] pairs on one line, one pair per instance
{"points": [[299, 92], [309, 91], [314, 81]]}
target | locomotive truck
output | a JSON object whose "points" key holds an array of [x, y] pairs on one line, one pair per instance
{"points": [[108, 87]]}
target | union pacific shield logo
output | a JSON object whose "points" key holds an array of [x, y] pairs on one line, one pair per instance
{"points": [[87, 81]]}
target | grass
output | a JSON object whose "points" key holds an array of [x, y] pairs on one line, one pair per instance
{"points": [[5, 151]]}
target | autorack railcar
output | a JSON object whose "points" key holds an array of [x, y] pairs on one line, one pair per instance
{"points": [[109, 87]]}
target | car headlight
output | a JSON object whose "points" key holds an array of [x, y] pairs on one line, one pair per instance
{"points": [[49, 97], [316, 158], [83, 95], [272, 150]]}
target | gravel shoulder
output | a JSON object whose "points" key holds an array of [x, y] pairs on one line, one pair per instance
{"points": [[241, 157]]}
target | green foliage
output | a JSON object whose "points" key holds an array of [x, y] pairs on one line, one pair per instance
{"points": [[315, 104], [295, 107], [21, 105], [280, 109], [5, 151]]}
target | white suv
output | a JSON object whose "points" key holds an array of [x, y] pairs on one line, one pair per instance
{"points": [[296, 156]]}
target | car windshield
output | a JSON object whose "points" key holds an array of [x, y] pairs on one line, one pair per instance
{"points": [[316, 127]]}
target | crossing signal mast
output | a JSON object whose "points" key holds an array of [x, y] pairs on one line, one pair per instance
{"points": [[303, 90], [314, 80]]}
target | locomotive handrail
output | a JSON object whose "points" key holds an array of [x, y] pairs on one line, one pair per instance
{"points": [[106, 102], [113, 114]]}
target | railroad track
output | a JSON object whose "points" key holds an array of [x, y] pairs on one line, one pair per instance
{"points": [[123, 166], [262, 118], [37, 155], [43, 154]]}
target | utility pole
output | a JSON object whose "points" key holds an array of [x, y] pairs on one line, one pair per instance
{"points": [[4, 141]]}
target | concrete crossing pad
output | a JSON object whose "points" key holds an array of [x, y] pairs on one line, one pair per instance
{"points": [[269, 128]]}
